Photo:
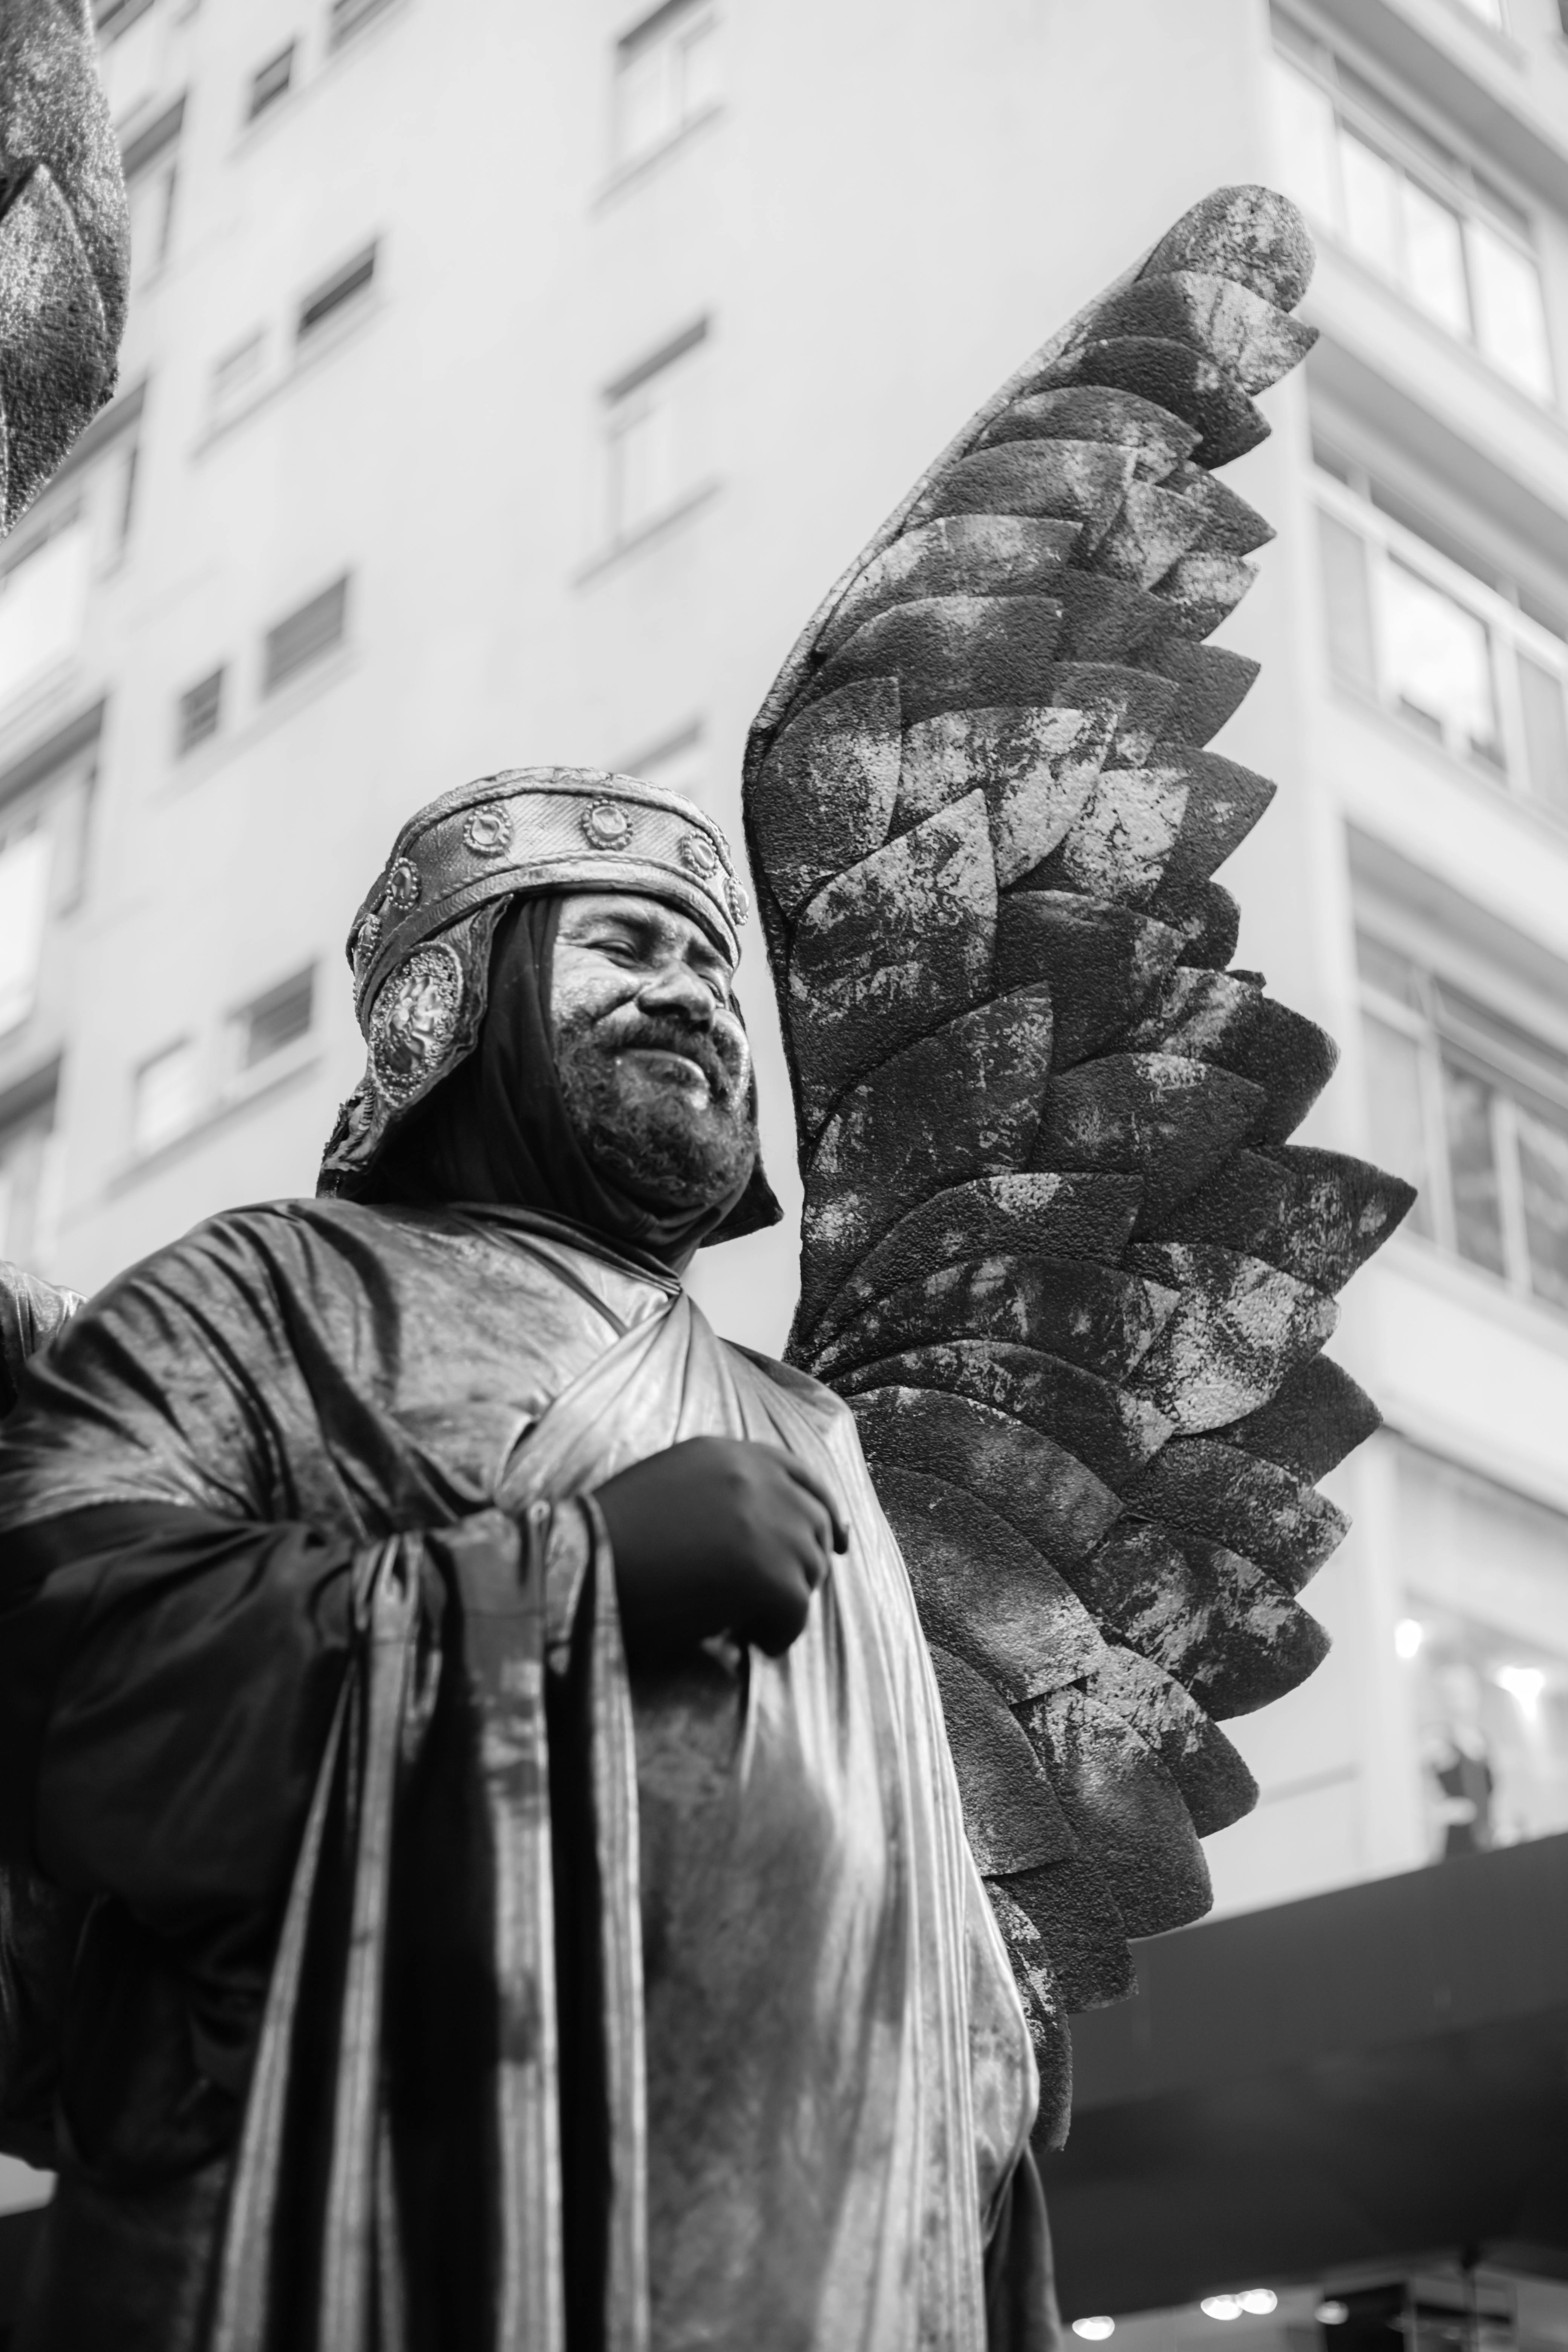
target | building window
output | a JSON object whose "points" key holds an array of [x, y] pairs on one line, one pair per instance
{"points": [[1471, 1108], [29, 1170], [198, 713], [305, 637], [1450, 643], [112, 17], [653, 435], [325, 301], [25, 863], [150, 163], [270, 82], [347, 17], [165, 1096], [1484, 1639], [235, 377], [1456, 247], [666, 76], [43, 608], [272, 1021]]}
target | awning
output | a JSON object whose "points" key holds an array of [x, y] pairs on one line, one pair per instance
{"points": [[1377, 2075]]}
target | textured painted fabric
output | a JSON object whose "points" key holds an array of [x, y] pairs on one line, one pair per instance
{"points": [[839, 2078]]}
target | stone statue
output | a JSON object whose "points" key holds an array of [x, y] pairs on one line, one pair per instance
{"points": [[65, 243], [506, 1844]]}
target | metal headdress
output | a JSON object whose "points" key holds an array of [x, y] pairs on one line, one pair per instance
{"points": [[419, 945]]}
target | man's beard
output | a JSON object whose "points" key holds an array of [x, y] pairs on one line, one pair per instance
{"points": [[657, 1140]]}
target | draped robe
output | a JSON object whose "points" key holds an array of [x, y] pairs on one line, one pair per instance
{"points": [[838, 2077]]}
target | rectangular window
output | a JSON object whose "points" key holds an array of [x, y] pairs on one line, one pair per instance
{"points": [[200, 711], [1473, 1109], [1484, 1638], [347, 17], [24, 911], [43, 608], [306, 636], [328, 301], [29, 1170], [1411, 211], [1437, 659], [270, 82], [666, 76], [279, 1018], [165, 1096], [237, 378], [1451, 643], [654, 423], [150, 162]]}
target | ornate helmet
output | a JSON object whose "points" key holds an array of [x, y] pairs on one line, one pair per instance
{"points": [[419, 946]]}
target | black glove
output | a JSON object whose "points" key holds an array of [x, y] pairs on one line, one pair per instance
{"points": [[718, 1535]]}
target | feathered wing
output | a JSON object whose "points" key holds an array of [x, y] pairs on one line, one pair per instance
{"points": [[1058, 1252], [65, 243]]}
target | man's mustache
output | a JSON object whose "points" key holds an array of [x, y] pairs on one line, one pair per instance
{"points": [[722, 1071]]}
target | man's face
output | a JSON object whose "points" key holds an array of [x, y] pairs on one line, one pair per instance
{"points": [[652, 1058]]}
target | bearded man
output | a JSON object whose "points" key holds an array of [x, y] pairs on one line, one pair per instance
{"points": [[420, 1547]]}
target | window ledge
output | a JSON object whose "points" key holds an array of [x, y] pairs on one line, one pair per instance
{"points": [[271, 1078], [1472, 1287], [1501, 43], [1466, 354], [636, 168], [647, 534], [1499, 796], [20, 715], [324, 344], [275, 710], [254, 130]]}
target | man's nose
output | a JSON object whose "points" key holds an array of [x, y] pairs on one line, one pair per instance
{"points": [[677, 989]]}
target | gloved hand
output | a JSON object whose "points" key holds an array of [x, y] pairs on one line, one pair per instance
{"points": [[718, 1535]]}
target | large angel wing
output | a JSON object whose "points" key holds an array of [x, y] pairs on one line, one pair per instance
{"points": [[1057, 1253], [65, 243]]}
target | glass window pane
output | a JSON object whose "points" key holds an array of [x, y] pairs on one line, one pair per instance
{"points": [[1472, 1167], [1437, 661], [643, 480], [1543, 1181], [43, 606], [24, 905], [1305, 141], [1435, 260], [700, 68], [1348, 597], [1545, 734], [1510, 321], [1395, 1116], [166, 1098], [1372, 205], [1384, 967]]}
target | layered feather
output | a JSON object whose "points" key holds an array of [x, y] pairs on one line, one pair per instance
{"points": [[1057, 1251]]}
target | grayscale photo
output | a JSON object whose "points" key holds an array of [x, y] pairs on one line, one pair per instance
{"points": [[784, 1175]]}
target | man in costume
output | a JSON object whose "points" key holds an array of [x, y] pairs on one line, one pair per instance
{"points": [[421, 1547]]}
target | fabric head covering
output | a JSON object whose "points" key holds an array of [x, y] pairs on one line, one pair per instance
{"points": [[497, 1131], [420, 951]]}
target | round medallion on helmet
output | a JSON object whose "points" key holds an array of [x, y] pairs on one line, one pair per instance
{"points": [[607, 824]]}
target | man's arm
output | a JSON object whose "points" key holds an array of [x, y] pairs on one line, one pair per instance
{"points": [[166, 1678]]}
